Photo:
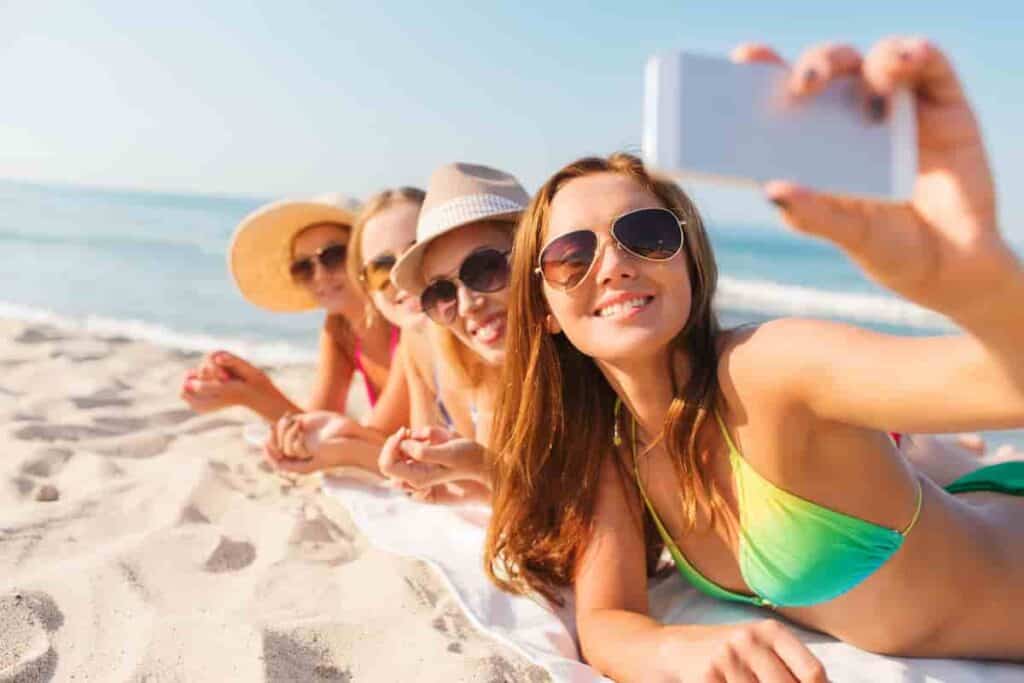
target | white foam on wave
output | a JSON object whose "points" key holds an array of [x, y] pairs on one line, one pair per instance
{"points": [[258, 351], [768, 298]]}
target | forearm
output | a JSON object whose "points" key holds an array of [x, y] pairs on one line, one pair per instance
{"points": [[349, 452], [624, 645], [271, 404], [998, 323]]}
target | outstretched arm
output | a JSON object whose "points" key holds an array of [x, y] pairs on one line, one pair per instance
{"points": [[942, 250]]}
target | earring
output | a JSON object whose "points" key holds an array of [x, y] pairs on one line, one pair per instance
{"points": [[616, 437], [369, 315]]}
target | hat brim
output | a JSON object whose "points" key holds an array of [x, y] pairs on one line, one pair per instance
{"points": [[260, 255], [407, 273]]}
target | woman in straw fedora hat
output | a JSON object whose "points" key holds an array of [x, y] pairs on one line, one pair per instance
{"points": [[291, 256]]}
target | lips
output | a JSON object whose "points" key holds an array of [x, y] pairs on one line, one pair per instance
{"points": [[623, 305], [490, 331]]}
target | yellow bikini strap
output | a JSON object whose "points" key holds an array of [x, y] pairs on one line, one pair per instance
{"points": [[917, 511], [725, 434]]}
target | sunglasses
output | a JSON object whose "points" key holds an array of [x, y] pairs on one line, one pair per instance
{"points": [[376, 274], [330, 257], [485, 270], [650, 234]]}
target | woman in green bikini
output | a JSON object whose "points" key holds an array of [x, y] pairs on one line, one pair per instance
{"points": [[761, 457]]}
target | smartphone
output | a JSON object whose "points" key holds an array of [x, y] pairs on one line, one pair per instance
{"points": [[709, 118]]}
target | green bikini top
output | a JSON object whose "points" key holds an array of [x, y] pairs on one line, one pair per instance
{"points": [[792, 552]]}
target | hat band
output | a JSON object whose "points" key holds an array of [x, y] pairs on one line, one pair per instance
{"points": [[462, 210]]}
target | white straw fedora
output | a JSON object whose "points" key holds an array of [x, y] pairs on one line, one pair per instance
{"points": [[458, 194], [261, 249]]}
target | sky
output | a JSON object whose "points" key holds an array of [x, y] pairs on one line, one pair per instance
{"points": [[294, 98]]}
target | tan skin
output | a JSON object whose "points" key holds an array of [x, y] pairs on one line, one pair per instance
{"points": [[223, 379], [808, 404], [321, 440], [424, 460]]}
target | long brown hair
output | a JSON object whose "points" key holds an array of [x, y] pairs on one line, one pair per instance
{"points": [[554, 419]]}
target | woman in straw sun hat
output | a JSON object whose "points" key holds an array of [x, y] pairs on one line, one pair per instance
{"points": [[291, 256]]}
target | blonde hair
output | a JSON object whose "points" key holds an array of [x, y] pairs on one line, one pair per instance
{"points": [[554, 420], [374, 205]]}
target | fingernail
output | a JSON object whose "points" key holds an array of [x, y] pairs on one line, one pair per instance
{"points": [[905, 55], [876, 107], [779, 202], [810, 75]]}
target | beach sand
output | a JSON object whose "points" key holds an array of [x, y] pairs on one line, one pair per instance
{"points": [[142, 542]]}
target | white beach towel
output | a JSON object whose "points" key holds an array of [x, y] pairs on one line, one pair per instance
{"points": [[450, 539]]}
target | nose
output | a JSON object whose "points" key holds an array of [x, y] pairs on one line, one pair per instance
{"points": [[468, 300], [613, 263]]}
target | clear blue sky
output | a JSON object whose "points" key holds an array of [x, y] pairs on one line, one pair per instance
{"points": [[284, 98]]}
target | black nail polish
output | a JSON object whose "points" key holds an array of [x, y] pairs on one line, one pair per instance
{"points": [[905, 55], [810, 75], [779, 202], [876, 107]]}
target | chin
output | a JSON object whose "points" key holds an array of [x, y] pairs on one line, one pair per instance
{"points": [[628, 345]]}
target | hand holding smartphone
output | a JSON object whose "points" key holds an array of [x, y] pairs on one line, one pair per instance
{"points": [[710, 118]]}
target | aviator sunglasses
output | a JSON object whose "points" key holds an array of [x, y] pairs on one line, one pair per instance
{"points": [[330, 257], [485, 270], [650, 234]]}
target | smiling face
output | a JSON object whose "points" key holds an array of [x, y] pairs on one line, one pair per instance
{"points": [[388, 233], [331, 288], [627, 307], [480, 320]]}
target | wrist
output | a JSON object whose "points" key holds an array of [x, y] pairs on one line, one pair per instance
{"points": [[997, 309]]}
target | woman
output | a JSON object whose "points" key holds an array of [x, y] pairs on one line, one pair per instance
{"points": [[630, 421], [458, 271], [290, 256]]}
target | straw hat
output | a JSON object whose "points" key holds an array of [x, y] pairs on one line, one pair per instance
{"points": [[457, 194], [260, 253]]}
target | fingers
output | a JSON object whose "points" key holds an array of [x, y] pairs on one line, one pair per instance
{"points": [[747, 53], [820, 65], [883, 238], [805, 667], [432, 434], [294, 441], [235, 366], [390, 453], [914, 62]]}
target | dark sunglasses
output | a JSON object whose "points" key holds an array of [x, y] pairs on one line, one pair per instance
{"points": [[650, 234], [330, 257], [376, 274], [485, 270]]}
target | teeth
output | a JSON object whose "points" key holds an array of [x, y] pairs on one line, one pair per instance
{"points": [[622, 307], [488, 332]]}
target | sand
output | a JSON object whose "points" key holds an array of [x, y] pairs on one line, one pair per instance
{"points": [[142, 542]]}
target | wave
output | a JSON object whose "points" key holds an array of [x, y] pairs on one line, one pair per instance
{"points": [[261, 351], [772, 299], [117, 242]]}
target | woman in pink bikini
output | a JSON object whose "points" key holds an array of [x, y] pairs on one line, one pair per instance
{"points": [[291, 256]]}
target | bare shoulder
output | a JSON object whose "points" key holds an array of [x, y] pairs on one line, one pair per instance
{"points": [[774, 361]]}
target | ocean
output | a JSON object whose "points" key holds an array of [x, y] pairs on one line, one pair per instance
{"points": [[152, 266]]}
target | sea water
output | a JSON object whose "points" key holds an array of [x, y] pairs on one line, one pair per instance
{"points": [[153, 266]]}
